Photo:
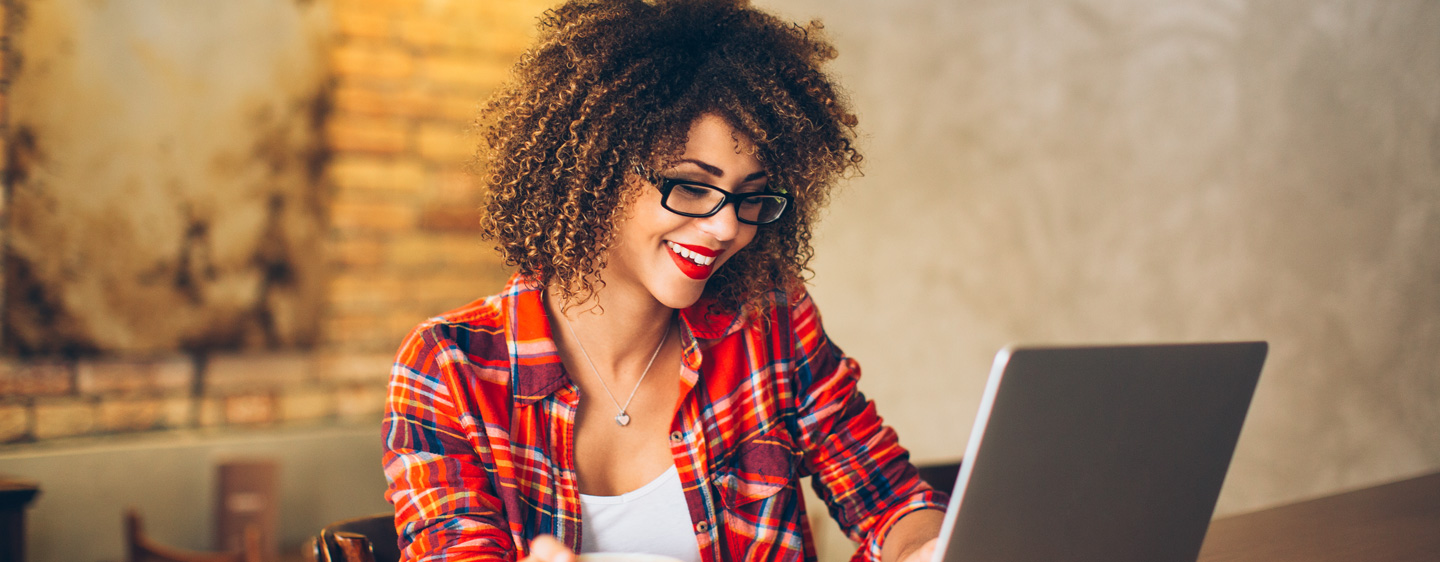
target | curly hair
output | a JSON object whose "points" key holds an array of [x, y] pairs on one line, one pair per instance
{"points": [[615, 84]]}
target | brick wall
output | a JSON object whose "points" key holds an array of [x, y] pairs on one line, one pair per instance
{"points": [[407, 77]]}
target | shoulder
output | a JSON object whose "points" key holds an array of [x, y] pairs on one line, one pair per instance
{"points": [[777, 308], [800, 330], [790, 309], [472, 333], [478, 321]]}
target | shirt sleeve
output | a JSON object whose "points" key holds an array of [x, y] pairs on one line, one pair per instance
{"points": [[861, 472], [437, 459]]}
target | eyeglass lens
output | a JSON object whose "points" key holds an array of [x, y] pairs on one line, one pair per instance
{"points": [[701, 200]]}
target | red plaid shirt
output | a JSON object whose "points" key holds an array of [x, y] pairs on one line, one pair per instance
{"points": [[480, 419]]}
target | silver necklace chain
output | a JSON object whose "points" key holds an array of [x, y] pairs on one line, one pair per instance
{"points": [[622, 419]]}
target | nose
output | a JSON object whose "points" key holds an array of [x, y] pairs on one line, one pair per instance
{"points": [[723, 226]]}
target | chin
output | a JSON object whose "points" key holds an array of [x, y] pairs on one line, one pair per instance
{"points": [[680, 297]]}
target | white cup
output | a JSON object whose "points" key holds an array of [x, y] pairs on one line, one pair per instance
{"points": [[624, 557]]}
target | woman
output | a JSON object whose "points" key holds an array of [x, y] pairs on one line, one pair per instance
{"points": [[654, 378]]}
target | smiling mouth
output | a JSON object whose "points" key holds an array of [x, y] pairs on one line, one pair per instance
{"points": [[692, 260], [695, 257]]}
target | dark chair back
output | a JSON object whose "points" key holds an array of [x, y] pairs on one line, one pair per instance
{"points": [[940, 476], [362, 539]]}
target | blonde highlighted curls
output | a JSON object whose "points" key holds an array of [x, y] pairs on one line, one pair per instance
{"points": [[612, 84]]}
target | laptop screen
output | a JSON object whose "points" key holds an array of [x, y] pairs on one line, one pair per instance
{"points": [[1100, 453]]}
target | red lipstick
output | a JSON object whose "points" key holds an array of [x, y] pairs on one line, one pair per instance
{"points": [[689, 268]]}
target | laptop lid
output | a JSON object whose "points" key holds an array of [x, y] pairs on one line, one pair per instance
{"points": [[1099, 453]]}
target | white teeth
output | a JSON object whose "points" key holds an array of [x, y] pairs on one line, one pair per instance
{"points": [[692, 256]]}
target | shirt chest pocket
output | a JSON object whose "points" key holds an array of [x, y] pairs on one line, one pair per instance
{"points": [[760, 468]]}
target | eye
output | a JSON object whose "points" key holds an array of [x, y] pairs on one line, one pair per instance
{"points": [[691, 191]]}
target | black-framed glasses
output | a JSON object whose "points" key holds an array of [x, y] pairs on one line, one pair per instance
{"points": [[695, 199]]}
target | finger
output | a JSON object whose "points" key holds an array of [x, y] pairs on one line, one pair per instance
{"points": [[549, 549]]}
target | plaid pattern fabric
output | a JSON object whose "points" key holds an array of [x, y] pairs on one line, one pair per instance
{"points": [[480, 416]]}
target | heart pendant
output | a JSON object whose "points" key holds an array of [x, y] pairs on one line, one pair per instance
{"points": [[623, 419]]}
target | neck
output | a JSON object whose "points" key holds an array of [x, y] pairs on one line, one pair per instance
{"points": [[618, 332]]}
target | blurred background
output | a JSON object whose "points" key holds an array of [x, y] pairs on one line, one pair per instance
{"points": [[220, 218]]}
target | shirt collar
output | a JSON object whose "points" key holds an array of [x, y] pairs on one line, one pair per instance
{"points": [[535, 367]]}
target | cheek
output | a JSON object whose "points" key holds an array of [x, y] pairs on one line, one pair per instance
{"points": [[745, 238], [647, 223]]}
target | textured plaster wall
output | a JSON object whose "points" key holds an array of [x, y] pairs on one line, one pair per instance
{"points": [[1110, 170], [165, 189]]}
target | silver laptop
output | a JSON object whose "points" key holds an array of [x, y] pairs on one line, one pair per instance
{"points": [[1099, 453]]}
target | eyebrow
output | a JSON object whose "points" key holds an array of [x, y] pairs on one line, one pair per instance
{"points": [[717, 172]]}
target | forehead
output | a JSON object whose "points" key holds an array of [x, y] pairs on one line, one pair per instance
{"points": [[713, 141]]}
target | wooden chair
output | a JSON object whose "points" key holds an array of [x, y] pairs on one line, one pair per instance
{"points": [[362, 539], [15, 495], [940, 476], [140, 548]]}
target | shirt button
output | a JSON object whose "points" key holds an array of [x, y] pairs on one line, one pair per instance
{"points": [[703, 526], [677, 436]]}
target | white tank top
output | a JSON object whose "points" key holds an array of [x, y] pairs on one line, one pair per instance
{"points": [[653, 519]]}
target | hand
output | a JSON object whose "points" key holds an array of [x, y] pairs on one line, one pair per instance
{"points": [[913, 538], [546, 548], [923, 553]]}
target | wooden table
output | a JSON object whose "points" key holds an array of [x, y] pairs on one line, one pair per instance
{"points": [[1386, 523]]}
